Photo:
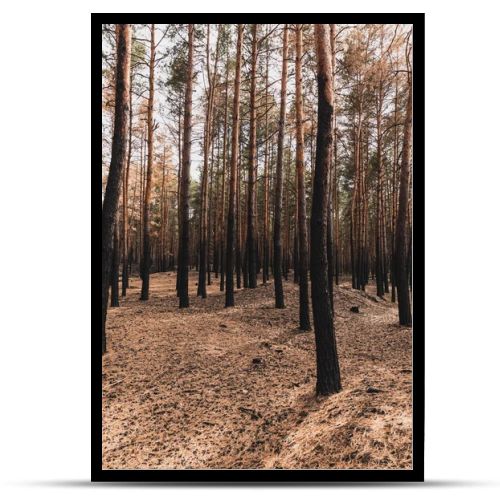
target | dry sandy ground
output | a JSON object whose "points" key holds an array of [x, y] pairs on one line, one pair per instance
{"points": [[210, 387]]}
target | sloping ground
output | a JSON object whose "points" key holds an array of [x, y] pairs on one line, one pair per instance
{"points": [[210, 387]]}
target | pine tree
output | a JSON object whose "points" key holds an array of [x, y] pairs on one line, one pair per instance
{"points": [[118, 161]]}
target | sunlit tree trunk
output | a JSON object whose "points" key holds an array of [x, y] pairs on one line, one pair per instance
{"points": [[278, 197], [265, 231], [204, 236], [235, 133], [149, 174], [125, 219], [304, 321], [223, 200], [251, 254]]}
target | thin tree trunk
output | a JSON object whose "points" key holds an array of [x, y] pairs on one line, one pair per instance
{"points": [[147, 197], [393, 204], [278, 197], [125, 221], [265, 236], [204, 237], [235, 133], [251, 256], [223, 201], [239, 239], [379, 219], [336, 226], [330, 231], [179, 204], [304, 322]]}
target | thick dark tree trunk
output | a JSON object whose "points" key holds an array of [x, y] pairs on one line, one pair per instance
{"points": [[235, 133], [183, 265], [328, 371], [278, 197], [118, 160], [404, 303]]}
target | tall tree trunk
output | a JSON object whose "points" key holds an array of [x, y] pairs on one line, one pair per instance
{"points": [[204, 250], [161, 258], [286, 263], [183, 266], [394, 202], [379, 219], [147, 196], [265, 231], [336, 226], [125, 221], [117, 165], [404, 303], [304, 322], [141, 203], [223, 200], [180, 126], [210, 218], [328, 371], [235, 134], [330, 231], [251, 254], [239, 239], [278, 197]]}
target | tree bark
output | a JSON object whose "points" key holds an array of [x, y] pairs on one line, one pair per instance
{"points": [[251, 254], [117, 165], [235, 133], [183, 265], [328, 371], [223, 195], [404, 305], [204, 250], [379, 220], [146, 252], [304, 321], [125, 221], [330, 231], [115, 269], [278, 197]]}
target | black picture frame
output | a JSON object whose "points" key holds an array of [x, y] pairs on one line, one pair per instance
{"points": [[265, 476]]}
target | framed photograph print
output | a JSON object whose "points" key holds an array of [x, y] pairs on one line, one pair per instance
{"points": [[260, 212]]}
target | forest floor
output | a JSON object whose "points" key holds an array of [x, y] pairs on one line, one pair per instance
{"points": [[209, 387]]}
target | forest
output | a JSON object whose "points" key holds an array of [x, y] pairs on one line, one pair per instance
{"points": [[257, 246]]}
